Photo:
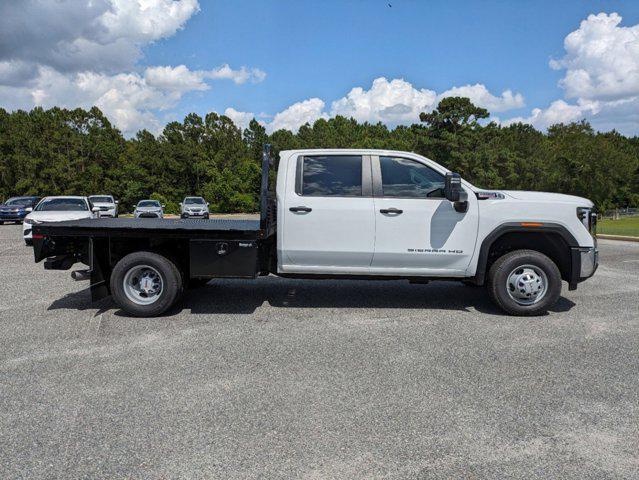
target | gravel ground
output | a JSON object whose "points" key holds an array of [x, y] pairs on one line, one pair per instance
{"points": [[318, 379]]}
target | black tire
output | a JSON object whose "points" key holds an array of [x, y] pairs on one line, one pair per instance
{"points": [[28, 243], [171, 278], [498, 282], [207, 216]]}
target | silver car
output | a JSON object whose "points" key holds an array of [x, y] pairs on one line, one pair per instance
{"points": [[149, 209], [194, 207]]}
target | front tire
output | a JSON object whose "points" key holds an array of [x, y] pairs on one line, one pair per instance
{"points": [[145, 284], [524, 282]]}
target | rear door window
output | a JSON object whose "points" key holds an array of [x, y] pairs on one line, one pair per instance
{"points": [[330, 176]]}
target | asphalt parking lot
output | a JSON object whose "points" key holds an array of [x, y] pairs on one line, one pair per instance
{"points": [[318, 379]]}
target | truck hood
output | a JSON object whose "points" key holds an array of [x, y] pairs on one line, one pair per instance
{"points": [[57, 216], [548, 197]]}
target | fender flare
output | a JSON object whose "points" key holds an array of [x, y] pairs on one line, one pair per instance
{"points": [[514, 227]]}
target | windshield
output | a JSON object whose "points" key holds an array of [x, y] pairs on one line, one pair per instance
{"points": [[101, 199], [19, 202], [149, 203], [194, 201], [63, 205]]}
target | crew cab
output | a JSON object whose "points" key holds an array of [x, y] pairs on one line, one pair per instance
{"points": [[346, 214]]}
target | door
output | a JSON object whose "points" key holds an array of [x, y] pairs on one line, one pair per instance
{"points": [[418, 231], [329, 221]]}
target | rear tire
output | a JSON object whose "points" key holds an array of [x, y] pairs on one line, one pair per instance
{"points": [[524, 282], [138, 302]]}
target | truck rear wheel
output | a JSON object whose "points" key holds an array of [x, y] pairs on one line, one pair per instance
{"points": [[524, 282], [145, 284]]}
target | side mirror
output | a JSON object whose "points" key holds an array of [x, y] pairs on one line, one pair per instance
{"points": [[117, 201], [163, 205], [95, 209], [454, 192], [208, 204]]}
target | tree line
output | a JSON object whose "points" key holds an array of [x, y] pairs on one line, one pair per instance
{"points": [[79, 152]]}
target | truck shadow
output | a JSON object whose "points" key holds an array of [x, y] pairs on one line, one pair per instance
{"points": [[236, 296], [246, 296]]}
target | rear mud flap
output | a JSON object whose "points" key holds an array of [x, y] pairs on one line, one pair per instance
{"points": [[99, 265]]}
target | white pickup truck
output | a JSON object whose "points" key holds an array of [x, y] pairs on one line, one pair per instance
{"points": [[347, 214]]}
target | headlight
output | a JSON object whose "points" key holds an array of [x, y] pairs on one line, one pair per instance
{"points": [[588, 216]]}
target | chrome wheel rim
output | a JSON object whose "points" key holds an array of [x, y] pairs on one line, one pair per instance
{"points": [[143, 285], [527, 284]]}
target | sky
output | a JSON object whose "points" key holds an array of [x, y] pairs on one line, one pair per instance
{"points": [[148, 62]]}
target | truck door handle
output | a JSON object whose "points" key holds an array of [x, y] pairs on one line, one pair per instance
{"points": [[394, 211], [300, 209]]}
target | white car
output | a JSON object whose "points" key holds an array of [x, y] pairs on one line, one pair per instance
{"points": [[149, 209], [107, 205], [194, 207], [57, 209]]}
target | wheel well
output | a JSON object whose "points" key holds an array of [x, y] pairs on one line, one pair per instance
{"points": [[550, 244]]}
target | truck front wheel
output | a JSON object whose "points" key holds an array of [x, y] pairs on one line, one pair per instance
{"points": [[145, 284], [524, 282]]}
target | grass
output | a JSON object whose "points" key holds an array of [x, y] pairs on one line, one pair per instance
{"points": [[628, 226]]}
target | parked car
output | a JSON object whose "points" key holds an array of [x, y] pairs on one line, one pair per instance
{"points": [[149, 209], [16, 208], [346, 214], [57, 209], [107, 205], [194, 207]]}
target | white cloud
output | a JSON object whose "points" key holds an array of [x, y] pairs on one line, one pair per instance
{"points": [[602, 59], [79, 54], [391, 102], [601, 74], [241, 119], [481, 97], [558, 112], [298, 114], [100, 35], [240, 76]]}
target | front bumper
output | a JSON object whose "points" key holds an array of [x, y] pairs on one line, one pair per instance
{"points": [[148, 215], [12, 216], [585, 261], [195, 214]]}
